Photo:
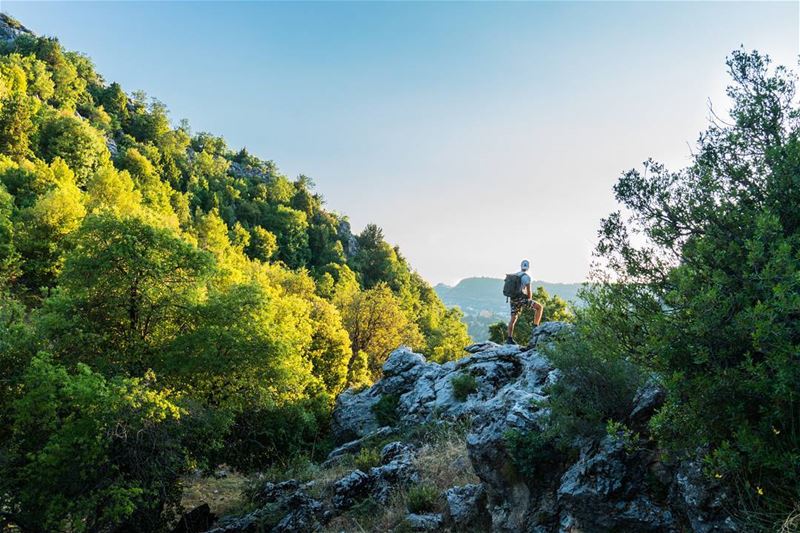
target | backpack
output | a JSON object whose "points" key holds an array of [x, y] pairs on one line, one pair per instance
{"points": [[512, 286]]}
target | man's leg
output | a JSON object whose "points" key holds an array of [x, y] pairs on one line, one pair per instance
{"points": [[538, 310], [511, 323]]}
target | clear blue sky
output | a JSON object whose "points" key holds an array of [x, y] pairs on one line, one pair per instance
{"points": [[421, 117]]}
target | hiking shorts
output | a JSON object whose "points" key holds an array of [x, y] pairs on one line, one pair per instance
{"points": [[518, 303]]}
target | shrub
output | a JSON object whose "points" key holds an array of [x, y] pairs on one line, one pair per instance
{"points": [[593, 388], [298, 467], [704, 262], [422, 498], [366, 458], [90, 454], [385, 410], [463, 386], [622, 434], [533, 453], [264, 435]]}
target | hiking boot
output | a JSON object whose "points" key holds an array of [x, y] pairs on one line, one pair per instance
{"points": [[511, 340]]}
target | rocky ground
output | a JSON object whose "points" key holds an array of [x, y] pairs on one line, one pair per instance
{"points": [[444, 462]]}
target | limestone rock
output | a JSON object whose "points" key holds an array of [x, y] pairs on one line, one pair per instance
{"points": [[649, 398], [354, 446], [546, 332], [352, 417], [397, 470], [466, 508], [10, 29], [703, 501], [608, 487], [606, 490], [424, 522], [304, 514], [195, 521], [350, 489]]}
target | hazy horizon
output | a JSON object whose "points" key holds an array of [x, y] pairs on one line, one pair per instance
{"points": [[420, 117]]}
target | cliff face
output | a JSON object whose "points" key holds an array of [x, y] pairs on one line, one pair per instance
{"points": [[10, 29], [498, 390]]}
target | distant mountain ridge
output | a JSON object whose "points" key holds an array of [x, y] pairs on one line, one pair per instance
{"points": [[482, 301]]}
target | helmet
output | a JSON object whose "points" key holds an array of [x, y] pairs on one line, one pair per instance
{"points": [[525, 265]]}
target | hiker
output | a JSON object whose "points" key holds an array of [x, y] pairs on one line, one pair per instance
{"points": [[517, 288]]}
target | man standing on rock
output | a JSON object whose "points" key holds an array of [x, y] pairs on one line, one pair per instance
{"points": [[518, 289]]}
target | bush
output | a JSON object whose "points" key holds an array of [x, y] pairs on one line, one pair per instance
{"points": [[463, 386], [385, 410], [704, 268], [593, 388], [422, 498], [90, 454], [533, 453], [366, 458], [264, 435]]}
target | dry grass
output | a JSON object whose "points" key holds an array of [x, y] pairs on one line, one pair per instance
{"points": [[445, 463], [223, 495], [792, 522], [442, 462]]}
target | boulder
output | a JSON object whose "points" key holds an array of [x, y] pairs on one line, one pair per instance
{"points": [[546, 332], [606, 490], [277, 492], [352, 417], [397, 470], [648, 398], [504, 375], [424, 522], [397, 451], [195, 521], [466, 508], [351, 489], [702, 500], [304, 514], [354, 446]]}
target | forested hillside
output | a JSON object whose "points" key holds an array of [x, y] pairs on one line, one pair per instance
{"points": [[168, 302]]}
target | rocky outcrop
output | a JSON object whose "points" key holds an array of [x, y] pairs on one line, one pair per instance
{"points": [[507, 377], [614, 483], [289, 501], [10, 28], [607, 487], [195, 521], [395, 471], [466, 508]]}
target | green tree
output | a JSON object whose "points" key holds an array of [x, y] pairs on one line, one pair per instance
{"points": [[263, 244], [289, 226], [76, 142], [377, 325], [376, 261], [9, 257], [704, 289], [89, 454], [43, 229], [123, 293], [16, 125], [330, 350], [110, 189]]}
